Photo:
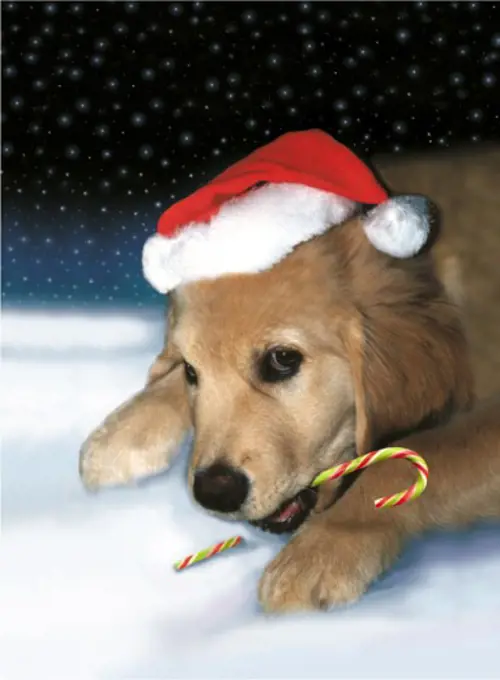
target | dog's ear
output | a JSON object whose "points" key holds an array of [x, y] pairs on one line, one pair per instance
{"points": [[142, 436], [406, 346]]}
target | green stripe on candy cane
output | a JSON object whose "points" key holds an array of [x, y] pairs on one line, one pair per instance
{"points": [[390, 453]]}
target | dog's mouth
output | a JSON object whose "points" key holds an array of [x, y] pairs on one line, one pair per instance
{"points": [[290, 515]]}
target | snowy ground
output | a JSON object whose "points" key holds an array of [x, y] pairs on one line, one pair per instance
{"points": [[87, 589]]}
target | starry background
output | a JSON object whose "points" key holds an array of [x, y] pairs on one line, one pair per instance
{"points": [[112, 111]]}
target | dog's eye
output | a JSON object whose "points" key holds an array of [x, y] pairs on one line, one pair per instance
{"points": [[280, 364], [190, 373]]}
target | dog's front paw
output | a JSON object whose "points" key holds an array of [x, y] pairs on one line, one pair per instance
{"points": [[324, 567], [139, 438], [112, 458]]}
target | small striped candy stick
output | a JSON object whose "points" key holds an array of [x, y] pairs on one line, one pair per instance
{"points": [[207, 553], [390, 453]]}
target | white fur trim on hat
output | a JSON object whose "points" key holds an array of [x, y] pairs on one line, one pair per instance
{"points": [[249, 234], [399, 227]]}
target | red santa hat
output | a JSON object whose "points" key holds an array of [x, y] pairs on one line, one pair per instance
{"points": [[258, 210]]}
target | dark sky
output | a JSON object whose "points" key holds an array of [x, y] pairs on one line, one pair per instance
{"points": [[112, 111]]}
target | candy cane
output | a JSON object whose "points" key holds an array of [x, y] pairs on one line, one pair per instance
{"points": [[390, 453]]}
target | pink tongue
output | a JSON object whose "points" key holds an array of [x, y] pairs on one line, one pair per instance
{"points": [[289, 511]]}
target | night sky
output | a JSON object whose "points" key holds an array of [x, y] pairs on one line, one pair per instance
{"points": [[112, 111]]}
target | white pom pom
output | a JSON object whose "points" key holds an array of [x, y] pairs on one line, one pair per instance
{"points": [[400, 227], [158, 265]]}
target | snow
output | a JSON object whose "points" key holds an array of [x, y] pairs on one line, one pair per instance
{"points": [[87, 587]]}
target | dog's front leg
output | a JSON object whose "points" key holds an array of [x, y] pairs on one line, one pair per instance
{"points": [[338, 553], [141, 436], [330, 562]]}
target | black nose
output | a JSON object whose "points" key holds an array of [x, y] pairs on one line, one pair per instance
{"points": [[221, 488]]}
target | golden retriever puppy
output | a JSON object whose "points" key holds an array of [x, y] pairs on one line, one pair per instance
{"points": [[335, 351]]}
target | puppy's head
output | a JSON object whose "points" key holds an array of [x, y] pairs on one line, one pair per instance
{"points": [[284, 373], [269, 386]]}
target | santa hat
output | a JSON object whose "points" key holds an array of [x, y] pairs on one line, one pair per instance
{"points": [[253, 214]]}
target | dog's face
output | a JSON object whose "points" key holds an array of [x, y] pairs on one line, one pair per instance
{"points": [[284, 373], [269, 386]]}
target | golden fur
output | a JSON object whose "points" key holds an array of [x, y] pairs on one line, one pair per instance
{"points": [[386, 359], [464, 185]]}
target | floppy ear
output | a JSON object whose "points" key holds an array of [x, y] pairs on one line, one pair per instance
{"points": [[406, 346], [142, 436]]}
